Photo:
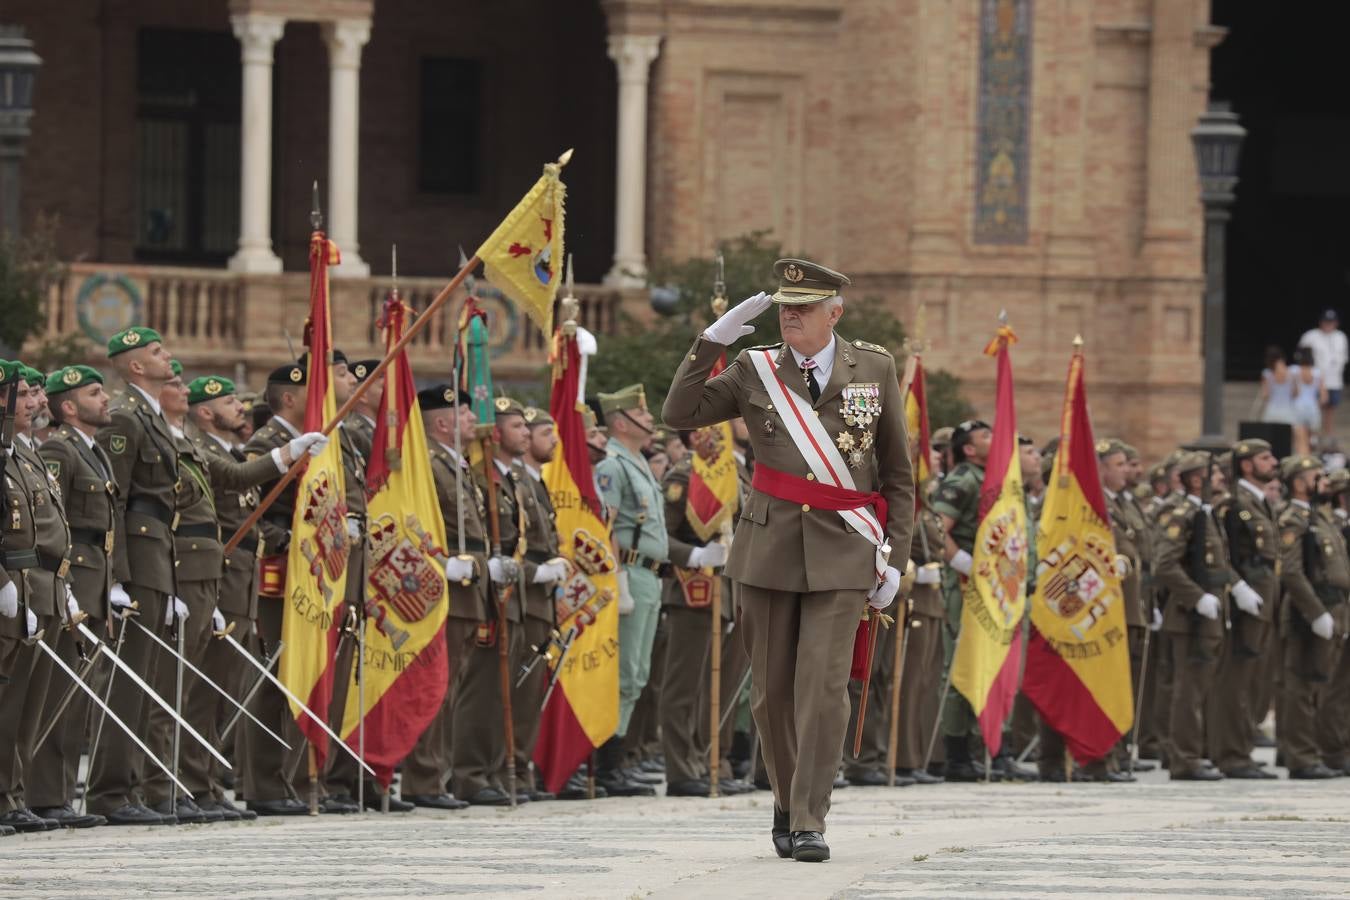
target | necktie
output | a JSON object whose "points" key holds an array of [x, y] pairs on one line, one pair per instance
{"points": [[809, 375]]}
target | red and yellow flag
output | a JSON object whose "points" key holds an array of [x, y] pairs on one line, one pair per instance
{"points": [[994, 597], [1078, 660], [916, 420], [407, 669], [582, 709], [714, 486], [316, 564]]}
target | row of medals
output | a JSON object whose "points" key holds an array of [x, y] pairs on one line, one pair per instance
{"points": [[860, 407]]}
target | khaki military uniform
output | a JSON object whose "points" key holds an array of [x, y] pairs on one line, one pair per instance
{"points": [[958, 498], [923, 656], [144, 458], [83, 475], [541, 538], [1254, 549], [36, 559], [1315, 575], [1138, 534], [1158, 688], [804, 575], [361, 432], [1192, 561], [1334, 723]]}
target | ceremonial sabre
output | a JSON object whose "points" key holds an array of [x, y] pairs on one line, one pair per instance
{"points": [[719, 306], [1139, 700], [107, 695], [874, 625], [253, 691]]}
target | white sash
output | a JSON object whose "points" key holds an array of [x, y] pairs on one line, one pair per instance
{"points": [[822, 457]]}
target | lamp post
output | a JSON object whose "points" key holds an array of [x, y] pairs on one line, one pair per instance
{"points": [[1217, 138], [18, 72]]}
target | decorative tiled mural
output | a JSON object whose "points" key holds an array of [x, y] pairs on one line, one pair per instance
{"points": [[1002, 163]]}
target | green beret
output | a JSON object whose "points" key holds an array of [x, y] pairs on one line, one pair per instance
{"points": [[1297, 464], [9, 371], [176, 367], [801, 281], [1249, 447], [71, 377], [33, 376], [132, 339], [505, 406], [535, 416], [632, 397], [208, 387]]}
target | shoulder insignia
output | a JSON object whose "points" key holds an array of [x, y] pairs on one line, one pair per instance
{"points": [[675, 492], [875, 348], [117, 444], [1244, 515], [605, 480], [54, 467], [949, 492], [1174, 531]]}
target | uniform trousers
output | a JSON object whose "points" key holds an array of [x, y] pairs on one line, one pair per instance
{"points": [[21, 706], [1195, 663], [1159, 695], [637, 631], [735, 663], [919, 692], [958, 718], [800, 647], [478, 728], [877, 725], [266, 763], [526, 699], [426, 769], [1231, 733], [684, 684], [119, 764], [53, 769], [1309, 666], [223, 665]]}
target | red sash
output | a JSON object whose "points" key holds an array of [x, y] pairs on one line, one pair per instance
{"points": [[793, 489]]}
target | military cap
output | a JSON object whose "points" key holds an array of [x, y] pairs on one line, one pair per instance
{"points": [[9, 371], [1297, 464], [505, 406], [1024, 441], [1340, 481], [942, 437], [208, 387], [132, 339], [33, 376], [632, 397], [1108, 446], [1249, 447], [801, 281], [440, 396], [338, 357], [1157, 473], [1173, 458], [1131, 452], [1225, 461], [1191, 460], [535, 416], [588, 420], [248, 399], [176, 366], [71, 377], [292, 373], [362, 368]]}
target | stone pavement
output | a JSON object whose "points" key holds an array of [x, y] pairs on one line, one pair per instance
{"points": [[1229, 839]]}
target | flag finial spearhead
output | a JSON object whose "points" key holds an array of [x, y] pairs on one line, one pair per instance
{"points": [[1078, 343], [393, 266], [719, 297], [315, 212], [569, 307]]}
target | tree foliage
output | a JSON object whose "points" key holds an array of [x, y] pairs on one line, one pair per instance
{"points": [[28, 268]]}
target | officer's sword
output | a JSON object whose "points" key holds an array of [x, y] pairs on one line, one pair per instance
{"points": [[1139, 700], [211, 684], [313, 716], [253, 691], [107, 695], [942, 702], [151, 693], [66, 698], [107, 711]]}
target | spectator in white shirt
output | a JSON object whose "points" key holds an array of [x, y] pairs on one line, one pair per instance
{"points": [[1330, 352]]}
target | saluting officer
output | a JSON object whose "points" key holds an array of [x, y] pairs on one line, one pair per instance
{"points": [[825, 417]]}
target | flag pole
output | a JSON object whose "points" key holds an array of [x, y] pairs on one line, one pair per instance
{"points": [[719, 306], [503, 623]]}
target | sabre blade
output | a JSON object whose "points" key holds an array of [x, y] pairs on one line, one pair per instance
{"points": [[252, 691], [229, 639], [107, 711], [217, 688], [65, 701], [151, 693]]}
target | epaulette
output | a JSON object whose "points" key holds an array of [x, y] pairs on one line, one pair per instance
{"points": [[875, 348]]}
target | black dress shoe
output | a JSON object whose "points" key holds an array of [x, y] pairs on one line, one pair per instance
{"points": [[1253, 773], [490, 796], [616, 785], [691, 787], [575, 789], [227, 811], [869, 778], [286, 807], [1316, 771], [187, 812], [918, 776], [1008, 769], [67, 817], [782, 835], [135, 814], [731, 787], [642, 777], [433, 801], [338, 805], [7, 831], [809, 846], [840, 782], [24, 820], [1143, 765], [653, 766], [1198, 775]]}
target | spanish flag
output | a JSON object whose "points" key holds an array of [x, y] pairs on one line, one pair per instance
{"points": [[581, 710], [916, 422], [1078, 661], [994, 597], [524, 256], [316, 565], [714, 486], [406, 669]]}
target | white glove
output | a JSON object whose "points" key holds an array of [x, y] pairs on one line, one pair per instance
{"points": [[311, 442], [928, 575], [962, 562], [353, 531], [119, 598], [175, 608], [732, 325], [458, 570], [882, 595], [1323, 626], [1208, 606], [217, 621], [626, 604], [503, 569], [549, 572], [1156, 624], [31, 622], [710, 556], [9, 601], [72, 605], [1248, 600]]}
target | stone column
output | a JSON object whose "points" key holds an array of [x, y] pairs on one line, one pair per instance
{"points": [[344, 38], [632, 55], [257, 36]]}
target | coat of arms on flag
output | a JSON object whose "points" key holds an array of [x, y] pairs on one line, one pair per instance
{"points": [[401, 576]]}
